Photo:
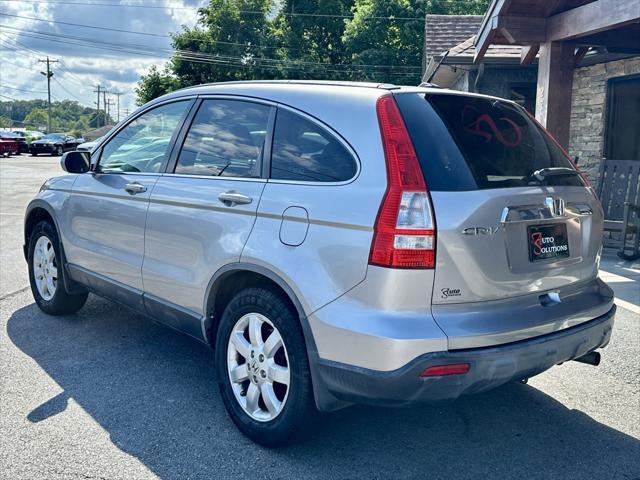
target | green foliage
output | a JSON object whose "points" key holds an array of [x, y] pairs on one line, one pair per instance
{"points": [[66, 116], [307, 39], [466, 7], [154, 84], [375, 41]]}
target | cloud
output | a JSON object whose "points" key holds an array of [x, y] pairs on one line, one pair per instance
{"points": [[81, 67]]}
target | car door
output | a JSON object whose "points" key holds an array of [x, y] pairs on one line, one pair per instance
{"points": [[107, 209], [203, 208], [69, 143]]}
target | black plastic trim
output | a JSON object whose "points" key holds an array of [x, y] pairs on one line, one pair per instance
{"points": [[490, 367]]}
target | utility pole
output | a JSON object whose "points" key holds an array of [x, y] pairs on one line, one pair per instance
{"points": [[110, 103], [118, 95], [48, 74], [97, 90]]}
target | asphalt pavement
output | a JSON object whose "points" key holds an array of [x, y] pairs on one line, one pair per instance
{"points": [[107, 394]]}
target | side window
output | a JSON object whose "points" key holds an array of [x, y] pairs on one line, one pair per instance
{"points": [[226, 139], [304, 151], [143, 144]]}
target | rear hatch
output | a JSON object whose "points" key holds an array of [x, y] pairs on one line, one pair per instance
{"points": [[513, 215]]}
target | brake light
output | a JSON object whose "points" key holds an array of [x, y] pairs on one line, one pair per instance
{"points": [[404, 233], [442, 370]]}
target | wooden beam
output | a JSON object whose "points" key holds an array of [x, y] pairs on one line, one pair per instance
{"points": [[487, 27], [592, 18], [522, 30], [555, 79], [529, 54], [580, 53]]}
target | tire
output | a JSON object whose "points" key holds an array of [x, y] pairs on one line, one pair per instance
{"points": [[34, 154], [58, 302], [59, 151], [296, 400]]}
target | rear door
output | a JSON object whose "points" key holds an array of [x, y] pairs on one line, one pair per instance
{"points": [[513, 217], [204, 207]]}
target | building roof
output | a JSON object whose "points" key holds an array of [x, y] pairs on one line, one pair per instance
{"points": [[445, 31], [465, 50]]}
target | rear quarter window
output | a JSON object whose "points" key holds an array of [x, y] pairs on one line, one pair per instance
{"points": [[304, 151], [470, 143]]}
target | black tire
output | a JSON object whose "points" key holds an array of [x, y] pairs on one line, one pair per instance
{"points": [[61, 303], [59, 151], [299, 409]]}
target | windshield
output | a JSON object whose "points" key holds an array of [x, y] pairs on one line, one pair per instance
{"points": [[474, 143]]}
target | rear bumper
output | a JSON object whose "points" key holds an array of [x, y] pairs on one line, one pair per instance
{"points": [[490, 367]]}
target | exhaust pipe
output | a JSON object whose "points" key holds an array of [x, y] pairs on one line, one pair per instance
{"points": [[591, 358]]}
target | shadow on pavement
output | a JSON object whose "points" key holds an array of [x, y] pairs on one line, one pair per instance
{"points": [[154, 392]]}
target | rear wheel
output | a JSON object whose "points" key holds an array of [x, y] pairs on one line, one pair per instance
{"points": [[46, 274], [262, 366], [59, 151]]}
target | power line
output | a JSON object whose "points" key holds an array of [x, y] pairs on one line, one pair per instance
{"points": [[81, 102], [199, 57], [250, 12], [149, 34], [22, 89]]}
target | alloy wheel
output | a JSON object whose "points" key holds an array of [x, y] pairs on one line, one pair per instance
{"points": [[45, 268], [258, 367]]}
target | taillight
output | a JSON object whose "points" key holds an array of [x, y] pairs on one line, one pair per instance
{"points": [[404, 233]]}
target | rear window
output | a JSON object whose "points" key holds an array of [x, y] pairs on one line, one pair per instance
{"points": [[303, 151], [471, 143]]}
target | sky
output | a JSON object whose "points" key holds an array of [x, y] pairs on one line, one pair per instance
{"points": [[24, 41]]}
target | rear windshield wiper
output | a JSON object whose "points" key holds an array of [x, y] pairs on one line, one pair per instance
{"points": [[542, 174]]}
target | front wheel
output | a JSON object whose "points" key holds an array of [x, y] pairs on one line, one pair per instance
{"points": [[59, 151], [46, 274], [263, 369]]}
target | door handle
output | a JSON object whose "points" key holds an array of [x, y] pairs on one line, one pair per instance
{"points": [[233, 198], [135, 188]]}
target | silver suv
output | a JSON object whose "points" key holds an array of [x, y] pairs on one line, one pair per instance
{"points": [[333, 242]]}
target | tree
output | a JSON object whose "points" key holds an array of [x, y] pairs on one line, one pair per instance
{"points": [[229, 42], [466, 7], [154, 84], [393, 45], [36, 119], [309, 33]]}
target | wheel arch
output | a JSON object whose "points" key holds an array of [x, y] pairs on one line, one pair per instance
{"points": [[324, 400], [230, 279], [37, 211]]}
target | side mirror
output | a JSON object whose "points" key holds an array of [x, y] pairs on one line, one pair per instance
{"points": [[76, 162]]}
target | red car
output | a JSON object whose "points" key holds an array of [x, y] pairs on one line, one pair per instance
{"points": [[8, 147]]}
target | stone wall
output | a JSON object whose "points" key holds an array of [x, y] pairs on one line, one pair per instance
{"points": [[588, 110]]}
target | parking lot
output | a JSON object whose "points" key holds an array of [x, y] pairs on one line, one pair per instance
{"points": [[109, 394]]}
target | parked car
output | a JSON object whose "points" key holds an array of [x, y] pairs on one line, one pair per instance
{"points": [[334, 243], [9, 146], [53, 144], [23, 147], [89, 146], [30, 135]]}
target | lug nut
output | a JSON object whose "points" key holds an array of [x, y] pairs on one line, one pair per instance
{"points": [[263, 374], [261, 358], [253, 354]]}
